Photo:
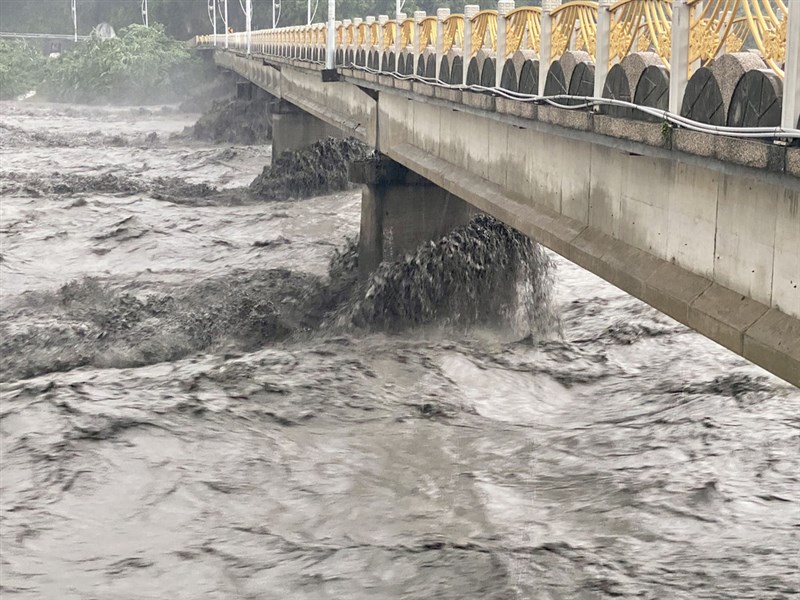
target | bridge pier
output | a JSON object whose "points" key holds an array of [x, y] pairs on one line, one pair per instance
{"points": [[401, 210], [293, 128]]}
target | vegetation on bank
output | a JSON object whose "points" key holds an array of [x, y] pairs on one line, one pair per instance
{"points": [[21, 68], [140, 65]]}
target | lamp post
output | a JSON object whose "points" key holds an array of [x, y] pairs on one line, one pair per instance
{"points": [[330, 46], [214, 9], [146, 17], [226, 23], [75, 20], [248, 21]]}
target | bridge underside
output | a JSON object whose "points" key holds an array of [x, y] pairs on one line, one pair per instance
{"points": [[706, 230]]}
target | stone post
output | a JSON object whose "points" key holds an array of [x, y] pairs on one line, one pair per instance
{"points": [[441, 15], [544, 44], [791, 81], [602, 45], [503, 8], [419, 15], [679, 60], [470, 10]]}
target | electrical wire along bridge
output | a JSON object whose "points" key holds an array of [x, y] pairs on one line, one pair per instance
{"points": [[653, 142]]}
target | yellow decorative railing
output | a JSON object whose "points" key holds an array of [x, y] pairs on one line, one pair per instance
{"points": [[646, 22], [523, 29], [389, 32], [406, 33], [715, 27], [484, 24], [574, 19], [361, 37], [453, 32], [768, 30], [374, 34], [427, 33]]}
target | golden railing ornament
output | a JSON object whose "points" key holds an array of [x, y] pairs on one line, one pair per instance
{"points": [[483, 23], [574, 18], [523, 26], [374, 34], [406, 33], [632, 19], [453, 32], [427, 33], [389, 31]]}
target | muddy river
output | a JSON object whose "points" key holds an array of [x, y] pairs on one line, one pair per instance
{"points": [[175, 425]]}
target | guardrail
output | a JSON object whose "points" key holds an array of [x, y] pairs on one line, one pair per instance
{"points": [[726, 63]]}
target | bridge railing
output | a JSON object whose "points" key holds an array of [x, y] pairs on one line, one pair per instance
{"points": [[723, 63]]}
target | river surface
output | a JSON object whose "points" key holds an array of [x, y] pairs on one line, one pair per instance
{"points": [[629, 457]]}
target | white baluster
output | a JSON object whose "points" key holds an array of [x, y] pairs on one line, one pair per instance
{"points": [[602, 46], [441, 15], [470, 10], [503, 8], [679, 59], [791, 81], [419, 15], [545, 43]]}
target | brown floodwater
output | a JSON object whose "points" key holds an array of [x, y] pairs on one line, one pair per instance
{"points": [[625, 457]]}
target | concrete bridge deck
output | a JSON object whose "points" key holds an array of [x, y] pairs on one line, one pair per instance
{"points": [[702, 227]]}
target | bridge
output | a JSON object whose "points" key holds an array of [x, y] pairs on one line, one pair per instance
{"points": [[48, 42], [651, 142]]}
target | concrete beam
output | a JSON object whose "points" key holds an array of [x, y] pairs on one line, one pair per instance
{"points": [[767, 337], [704, 228]]}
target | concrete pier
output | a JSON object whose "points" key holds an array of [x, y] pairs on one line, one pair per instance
{"points": [[401, 210], [293, 128]]}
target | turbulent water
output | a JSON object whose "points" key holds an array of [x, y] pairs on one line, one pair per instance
{"points": [[177, 423]]}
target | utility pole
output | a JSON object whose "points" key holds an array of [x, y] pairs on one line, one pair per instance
{"points": [[75, 19], [214, 9], [308, 13], [227, 27], [330, 46], [146, 17], [248, 21], [276, 12]]}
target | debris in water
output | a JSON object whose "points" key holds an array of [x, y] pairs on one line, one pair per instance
{"points": [[316, 169], [235, 121], [483, 272]]}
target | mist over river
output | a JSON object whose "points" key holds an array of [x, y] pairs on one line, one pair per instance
{"points": [[176, 426]]}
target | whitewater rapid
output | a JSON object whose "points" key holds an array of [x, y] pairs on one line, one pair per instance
{"points": [[627, 457]]}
